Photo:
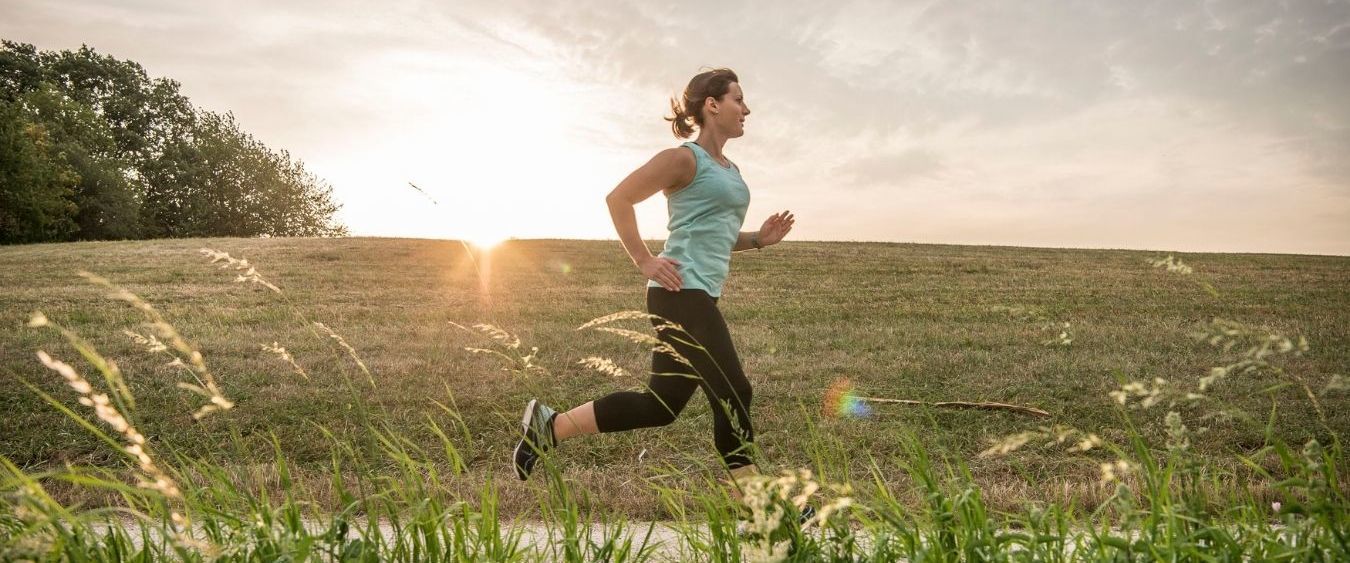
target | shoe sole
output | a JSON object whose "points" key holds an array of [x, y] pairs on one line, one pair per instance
{"points": [[524, 430]]}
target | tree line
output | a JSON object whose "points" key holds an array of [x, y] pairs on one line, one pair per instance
{"points": [[92, 148]]}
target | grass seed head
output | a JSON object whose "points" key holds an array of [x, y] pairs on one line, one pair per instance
{"points": [[603, 365], [285, 356], [153, 477], [619, 316], [37, 320], [500, 335]]}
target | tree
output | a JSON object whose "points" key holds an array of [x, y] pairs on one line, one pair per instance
{"points": [[129, 156], [107, 202], [20, 70], [35, 188], [219, 180]]}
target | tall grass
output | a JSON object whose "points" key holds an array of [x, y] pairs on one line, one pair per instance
{"points": [[400, 499]]}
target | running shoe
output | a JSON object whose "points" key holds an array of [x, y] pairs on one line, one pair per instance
{"points": [[536, 427], [808, 511]]}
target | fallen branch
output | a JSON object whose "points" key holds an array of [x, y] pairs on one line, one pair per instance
{"points": [[961, 405]]}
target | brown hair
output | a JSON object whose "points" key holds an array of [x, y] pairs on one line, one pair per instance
{"points": [[713, 83]]}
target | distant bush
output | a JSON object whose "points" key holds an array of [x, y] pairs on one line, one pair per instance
{"points": [[93, 148]]}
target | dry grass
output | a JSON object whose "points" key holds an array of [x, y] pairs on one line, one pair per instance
{"points": [[925, 322]]}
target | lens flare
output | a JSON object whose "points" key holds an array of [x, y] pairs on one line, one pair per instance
{"points": [[481, 259], [842, 402], [486, 241]]}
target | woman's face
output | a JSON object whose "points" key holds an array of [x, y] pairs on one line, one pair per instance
{"points": [[731, 111]]}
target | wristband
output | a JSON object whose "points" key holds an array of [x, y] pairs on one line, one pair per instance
{"points": [[754, 240]]}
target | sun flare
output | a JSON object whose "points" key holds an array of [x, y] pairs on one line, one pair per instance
{"points": [[485, 241]]}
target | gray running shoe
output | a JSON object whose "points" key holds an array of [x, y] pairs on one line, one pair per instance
{"points": [[536, 427], [808, 512]]}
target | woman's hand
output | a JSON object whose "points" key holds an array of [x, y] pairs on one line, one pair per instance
{"points": [[664, 271], [775, 228]]}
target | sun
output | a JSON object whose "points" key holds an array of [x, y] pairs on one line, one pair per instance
{"points": [[485, 239], [486, 242]]}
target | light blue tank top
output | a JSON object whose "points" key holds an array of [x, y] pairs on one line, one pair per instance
{"points": [[705, 220]]}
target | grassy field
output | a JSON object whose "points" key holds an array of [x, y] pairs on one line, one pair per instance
{"points": [[925, 322]]}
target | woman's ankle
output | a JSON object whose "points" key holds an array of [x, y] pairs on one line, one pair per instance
{"points": [[744, 471], [576, 422], [737, 473]]}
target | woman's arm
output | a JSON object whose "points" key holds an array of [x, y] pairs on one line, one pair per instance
{"points": [[671, 168], [775, 228], [746, 241]]}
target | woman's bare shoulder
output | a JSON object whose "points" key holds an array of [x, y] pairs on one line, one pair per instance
{"points": [[677, 165], [677, 157]]}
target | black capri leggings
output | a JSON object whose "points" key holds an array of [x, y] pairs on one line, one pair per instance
{"points": [[717, 370]]}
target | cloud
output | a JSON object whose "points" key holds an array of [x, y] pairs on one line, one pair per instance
{"points": [[892, 169], [936, 111]]}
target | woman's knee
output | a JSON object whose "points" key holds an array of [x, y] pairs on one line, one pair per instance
{"points": [[662, 412], [745, 392]]}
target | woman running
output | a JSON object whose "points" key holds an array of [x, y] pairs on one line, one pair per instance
{"points": [[707, 202]]}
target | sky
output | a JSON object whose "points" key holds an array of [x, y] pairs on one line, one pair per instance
{"points": [[1171, 125]]}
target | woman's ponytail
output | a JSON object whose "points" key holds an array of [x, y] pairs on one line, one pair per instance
{"points": [[680, 123], [689, 110]]}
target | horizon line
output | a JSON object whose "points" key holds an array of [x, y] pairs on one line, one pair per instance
{"points": [[916, 243], [912, 243]]}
